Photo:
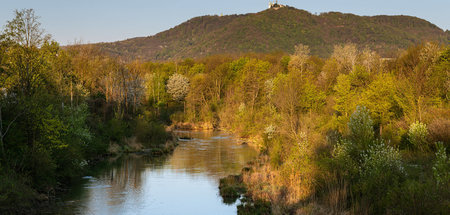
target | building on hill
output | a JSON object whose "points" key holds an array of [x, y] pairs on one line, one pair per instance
{"points": [[275, 5]]}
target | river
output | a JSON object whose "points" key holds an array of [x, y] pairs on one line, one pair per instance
{"points": [[185, 182]]}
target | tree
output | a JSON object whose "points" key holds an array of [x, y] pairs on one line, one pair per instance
{"points": [[415, 67], [251, 81], [25, 62], [346, 56], [136, 71], [25, 29], [370, 60], [178, 86], [379, 97], [345, 95], [299, 60]]}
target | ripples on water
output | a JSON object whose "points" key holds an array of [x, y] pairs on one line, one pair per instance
{"points": [[185, 182]]}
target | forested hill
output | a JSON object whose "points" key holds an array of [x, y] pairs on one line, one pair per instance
{"points": [[279, 30]]}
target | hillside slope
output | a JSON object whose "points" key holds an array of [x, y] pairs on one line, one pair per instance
{"points": [[278, 30]]}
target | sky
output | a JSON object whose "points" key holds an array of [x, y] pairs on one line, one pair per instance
{"points": [[90, 21]]}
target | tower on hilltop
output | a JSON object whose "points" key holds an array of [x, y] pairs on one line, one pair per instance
{"points": [[275, 5]]}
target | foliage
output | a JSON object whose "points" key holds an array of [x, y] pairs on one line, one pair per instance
{"points": [[441, 166], [274, 30], [327, 128], [150, 133], [178, 86], [417, 136], [59, 110], [372, 166], [361, 127], [381, 168], [231, 188]]}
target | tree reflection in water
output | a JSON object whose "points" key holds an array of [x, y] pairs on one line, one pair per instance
{"points": [[187, 179]]}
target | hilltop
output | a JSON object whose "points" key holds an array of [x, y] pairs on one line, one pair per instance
{"points": [[278, 30]]}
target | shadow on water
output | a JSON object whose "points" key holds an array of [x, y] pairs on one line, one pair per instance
{"points": [[185, 182]]}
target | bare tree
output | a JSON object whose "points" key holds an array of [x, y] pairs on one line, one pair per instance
{"points": [[299, 59], [25, 29], [346, 56]]}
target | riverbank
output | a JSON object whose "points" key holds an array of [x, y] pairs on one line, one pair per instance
{"points": [[131, 145], [38, 203], [187, 178], [238, 188], [253, 140]]}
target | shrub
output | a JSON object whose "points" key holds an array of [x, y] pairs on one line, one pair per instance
{"points": [[343, 157], [15, 191], [381, 158], [361, 127], [231, 188], [441, 166], [150, 133], [370, 166], [276, 153], [415, 197], [177, 117], [116, 129], [381, 168], [417, 136], [269, 131], [439, 131]]}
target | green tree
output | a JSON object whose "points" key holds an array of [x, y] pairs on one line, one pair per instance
{"points": [[345, 97], [379, 97]]}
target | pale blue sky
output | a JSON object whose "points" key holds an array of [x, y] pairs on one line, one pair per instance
{"points": [[112, 20]]}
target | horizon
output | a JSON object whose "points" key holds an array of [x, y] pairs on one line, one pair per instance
{"points": [[80, 22]]}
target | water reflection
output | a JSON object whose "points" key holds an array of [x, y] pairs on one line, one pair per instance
{"points": [[183, 183]]}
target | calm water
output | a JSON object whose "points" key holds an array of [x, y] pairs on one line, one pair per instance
{"points": [[185, 182]]}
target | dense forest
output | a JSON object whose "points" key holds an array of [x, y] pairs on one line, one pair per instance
{"points": [[278, 30], [63, 110], [353, 133]]}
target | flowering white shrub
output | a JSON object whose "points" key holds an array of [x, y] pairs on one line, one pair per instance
{"points": [[417, 136], [379, 159], [270, 131]]}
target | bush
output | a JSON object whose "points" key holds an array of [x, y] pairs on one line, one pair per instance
{"points": [[381, 170], [361, 127], [439, 131], [275, 153], [415, 197], [150, 133], [231, 188], [417, 136], [343, 158], [15, 191], [41, 167], [177, 117], [441, 167], [116, 130]]}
